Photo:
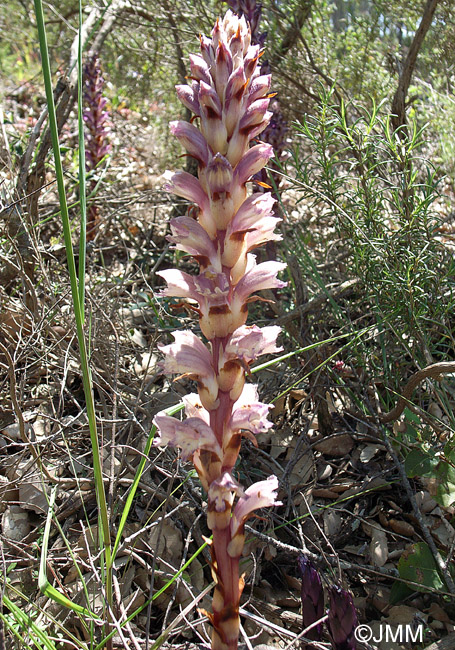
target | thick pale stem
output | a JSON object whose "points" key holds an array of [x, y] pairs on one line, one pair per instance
{"points": [[227, 593], [226, 596]]}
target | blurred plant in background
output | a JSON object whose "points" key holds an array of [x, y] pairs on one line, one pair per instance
{"points": [[276, 131], [97, 144], [371, 184]]}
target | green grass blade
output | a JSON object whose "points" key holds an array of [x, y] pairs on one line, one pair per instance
{"points": [[38, 637], [129, 502], [43, 583], [82, 174], [78, 312]]}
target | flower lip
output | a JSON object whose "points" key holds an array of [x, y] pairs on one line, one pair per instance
{"points": [[187, 355], [199, 68], [194, 408], [262, 494], [259, 87], [209, 100], [222, 490], [252, 211], [189, 236], [260, 276], [188, 97], [219, 175], [248, 413], [190, 434], [187, 186], [248, 342], [252, 162], [192, 139]]}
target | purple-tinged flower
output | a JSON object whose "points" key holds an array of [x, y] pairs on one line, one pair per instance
{"points": [[259, 86], [221, 496], [189, 435], [249, 342], [189, 97], [262, 494], [252, 162], [194, 408], [199, 69], [312, 600], [185, 185], [249, 414], [276, 131], [258, 277], [189, 356], [192, 139], [252, 11], [189, 236], [96, 117], [342, 619], [97, 130]]}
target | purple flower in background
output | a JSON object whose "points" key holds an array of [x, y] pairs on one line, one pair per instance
{"points": [[276, 131], [96, 119], [252, 11], [342, 619], [312, 600]]}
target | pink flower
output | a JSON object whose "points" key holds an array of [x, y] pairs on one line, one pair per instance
{"points": [[252, 211], [257, 277], [188, 187], [199, 68], [248, 342], [194, 408], [192, 139], [250, 414], [259, 87], [189, 97], [252, 226], [222, 491], [189, 236], [231, 99], [188, 355], [190, 434], [252, 162], [259, 495]]}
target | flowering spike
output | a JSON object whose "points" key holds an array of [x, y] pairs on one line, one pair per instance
{"points": [[96, 119], [342, 619], [312, 600], [230, 96]]}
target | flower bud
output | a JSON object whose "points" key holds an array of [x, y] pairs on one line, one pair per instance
{"points": [[342, 619], [312, 600]]}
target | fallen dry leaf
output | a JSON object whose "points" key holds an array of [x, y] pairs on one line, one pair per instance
{"points": [[436, 612], [335, 445], [401, 527], [379, 549], [15, 523], [404, 615], [332, 523]]}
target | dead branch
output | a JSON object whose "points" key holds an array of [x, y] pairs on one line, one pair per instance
{"points": [[435, 371], [293, 32], [399, 99]]}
